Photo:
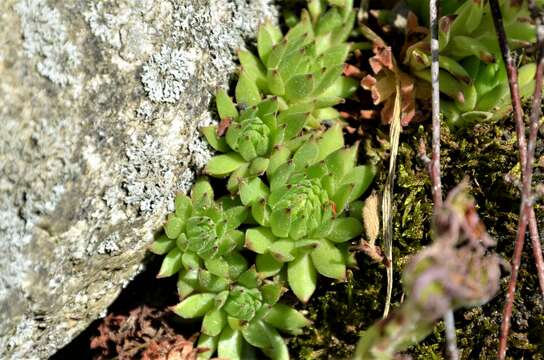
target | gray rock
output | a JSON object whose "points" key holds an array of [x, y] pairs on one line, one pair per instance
{"points": [[100, 103]]}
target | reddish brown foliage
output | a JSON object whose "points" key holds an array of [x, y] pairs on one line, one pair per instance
{"points": [[143, 334]]}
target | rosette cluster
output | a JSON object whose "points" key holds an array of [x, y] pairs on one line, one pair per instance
{"points": [[292, 192], [473, 78]]}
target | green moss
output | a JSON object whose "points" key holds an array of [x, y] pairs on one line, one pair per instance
{"points": [[485, 154]]}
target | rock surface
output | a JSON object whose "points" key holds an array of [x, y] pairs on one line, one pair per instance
{"points": [[100, 102]]}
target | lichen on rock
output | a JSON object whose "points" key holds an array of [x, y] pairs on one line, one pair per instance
{"points": [[89, 160]]}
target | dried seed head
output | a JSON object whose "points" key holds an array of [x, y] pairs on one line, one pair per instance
{"points": [[371, 217]]}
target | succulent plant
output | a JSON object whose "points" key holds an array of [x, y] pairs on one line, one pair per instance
{"points": [[255, 139], [243, 315], [305, 65], [200, 231], [294, 190], [292, 84], [302, 213], [472, 77]]}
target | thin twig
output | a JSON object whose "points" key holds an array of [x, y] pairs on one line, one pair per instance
{"points": [[531, 144], [435, 68], [520, 132], [526, 160], [449, 318]]}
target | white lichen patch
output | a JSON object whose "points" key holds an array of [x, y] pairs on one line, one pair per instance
{"points": [[105, 19], [110, 245], [148, 177], [88, 173], [45, 36], [166, 75], [131, 27]]}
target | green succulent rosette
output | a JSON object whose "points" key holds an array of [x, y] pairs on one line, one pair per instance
{"points": [[201, 232], [303, 212], [303, 66], [253, 137], [472, 76], [241, 317]]}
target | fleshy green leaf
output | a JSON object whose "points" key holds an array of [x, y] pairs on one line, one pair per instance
{"points": [[278, 349], [194, 306], [330, 141], [267, 266], [356, 209], [275, 82], [258, 166], [344, 229], [342, 196], [280, 222], [306, 155], [209, 343], [279, 157], [214, 322], [202, 191], [268, 36], [361, 177], [187, 283], [335, 56], [223, 165], [247, 91], [261, 212], [254, 68], [272, 292], [237, 264], [235, 216], [171, 263], [328, 21], [230, 344], [173, 227], [257, 334], [249, 279], [306, 245], [217, 266], [299, 87], [236, 178], [329, 261], [282, 250], [162, 245], [286, 318], [183, 206], [328, 114], [276, 54], [221, 299], [191, 260], [326, 77], [225, 106], [216, 142], [210, 282], [259, 239], [341, 162], [343, 87], [253, 191], [302, 277]]}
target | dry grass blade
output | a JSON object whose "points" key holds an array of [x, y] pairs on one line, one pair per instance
{"points": [[387, 216]]}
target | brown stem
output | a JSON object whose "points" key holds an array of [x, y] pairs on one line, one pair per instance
{"points": [[526, 160], [537, 250], [531, 145]]}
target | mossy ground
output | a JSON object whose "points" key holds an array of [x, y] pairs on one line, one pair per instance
{"points": [[485, 154]]}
